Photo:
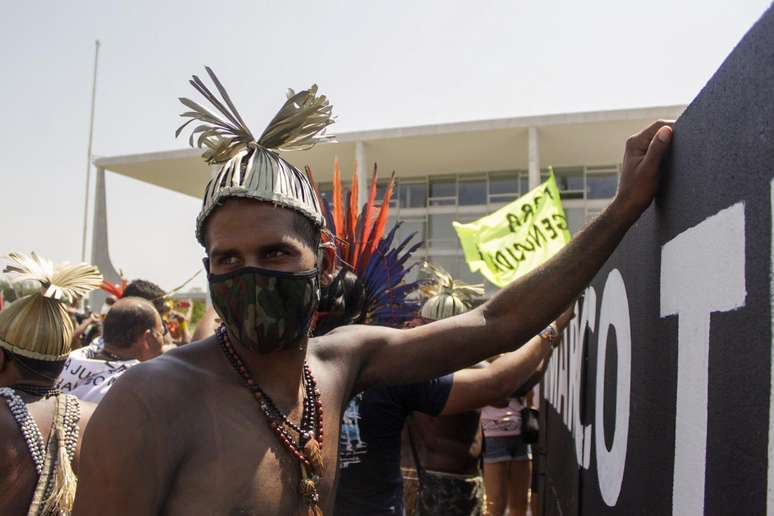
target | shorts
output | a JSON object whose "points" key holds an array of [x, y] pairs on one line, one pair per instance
{"points": [[443, 493], [505, 449]]}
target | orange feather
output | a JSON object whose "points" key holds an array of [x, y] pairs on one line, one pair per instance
{"points": [[116, 289], [365, 224], [338, 200], [381, 220], [352, 217]]}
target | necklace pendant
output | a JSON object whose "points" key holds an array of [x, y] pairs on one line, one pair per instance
{"points": [[313, 453], [311, 496]]}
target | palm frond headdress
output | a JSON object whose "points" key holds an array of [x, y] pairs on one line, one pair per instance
{"points": [[252, 168], [38, 326], [446, 296]]}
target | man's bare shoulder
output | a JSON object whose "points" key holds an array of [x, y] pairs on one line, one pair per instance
{"points": [[347, 339], [164, 380]]}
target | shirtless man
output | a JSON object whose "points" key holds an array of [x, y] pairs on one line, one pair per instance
{"points": [[191, 437], [132, 333], [35, 417]]}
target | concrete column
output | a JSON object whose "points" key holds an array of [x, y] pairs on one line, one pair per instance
{"points": [[363, 171], [534, 158], [100, 254]]}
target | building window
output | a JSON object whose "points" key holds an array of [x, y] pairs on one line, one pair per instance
{"points": [[416, 226], [443, 191], [412, 195], [601, 184], [441, 233], [524, 182], [472, 192], [570, 182], [503, 187]]}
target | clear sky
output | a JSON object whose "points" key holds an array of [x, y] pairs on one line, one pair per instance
{"points": [[383, 64]]}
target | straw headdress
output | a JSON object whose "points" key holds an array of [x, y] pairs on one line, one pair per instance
{"points": [[252, 168], [446, 296], [38, 325]]}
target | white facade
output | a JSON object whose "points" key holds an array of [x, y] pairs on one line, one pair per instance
{"points": [[445, 172]]}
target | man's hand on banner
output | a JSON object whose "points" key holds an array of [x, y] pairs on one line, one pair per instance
{"points": [[641, 170], [564, 319]]}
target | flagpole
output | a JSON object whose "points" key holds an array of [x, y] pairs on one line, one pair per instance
{"points": [[88, 152]]}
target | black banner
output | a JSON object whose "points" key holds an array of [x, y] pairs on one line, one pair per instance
{"points": [[658, 402]]}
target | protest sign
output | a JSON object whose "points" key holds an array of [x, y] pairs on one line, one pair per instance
{"points": [[518, 237]]}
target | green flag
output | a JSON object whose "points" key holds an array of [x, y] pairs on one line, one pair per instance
{"points": [[516, 238]]}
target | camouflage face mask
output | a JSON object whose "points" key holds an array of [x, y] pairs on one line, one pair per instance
{"points": [[266, 310]]}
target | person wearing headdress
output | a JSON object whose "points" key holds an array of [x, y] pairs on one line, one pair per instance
{"points": [[40, 426], [247, 421], [442, 452]]}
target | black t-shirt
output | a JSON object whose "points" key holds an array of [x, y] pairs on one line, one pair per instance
{"points": [[370, 481]]}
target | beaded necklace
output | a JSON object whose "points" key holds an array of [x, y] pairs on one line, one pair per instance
{"points": [[36, 390], [30, 431], [307, 447]]}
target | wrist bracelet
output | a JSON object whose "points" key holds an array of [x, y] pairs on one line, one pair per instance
{"points": [[550, 335]]}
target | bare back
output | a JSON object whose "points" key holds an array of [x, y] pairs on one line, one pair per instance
{"points": [[450, 444]]}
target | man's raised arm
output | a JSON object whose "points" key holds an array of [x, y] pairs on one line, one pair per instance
{"points": [[526, 306]]}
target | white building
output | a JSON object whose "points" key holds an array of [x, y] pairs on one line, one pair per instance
{"points": [[445, 172]]}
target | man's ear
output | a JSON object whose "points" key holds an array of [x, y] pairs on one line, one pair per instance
{"points": [[327, 264], [147, 339]]}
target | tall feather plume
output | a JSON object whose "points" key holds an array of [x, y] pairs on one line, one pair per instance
{"points": [[62, 282], [380, 266]]}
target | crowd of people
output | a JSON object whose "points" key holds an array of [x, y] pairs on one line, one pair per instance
{"points": [[321, 380]]}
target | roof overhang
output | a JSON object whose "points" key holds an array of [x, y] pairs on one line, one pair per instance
{"points": [[590, 138]]}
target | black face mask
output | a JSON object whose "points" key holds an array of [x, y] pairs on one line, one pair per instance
{"points": [[266, 310]]}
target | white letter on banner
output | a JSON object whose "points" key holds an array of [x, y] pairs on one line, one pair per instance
{"points": [[588, 320], [613, 312], [702, 271], [570, 337]]}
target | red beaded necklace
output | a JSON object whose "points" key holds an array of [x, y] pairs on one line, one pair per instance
{"points": [[307, 448]]}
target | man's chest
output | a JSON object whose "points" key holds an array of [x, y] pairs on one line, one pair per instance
{"points": [[240, 466]]}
